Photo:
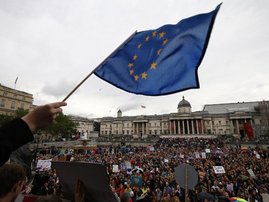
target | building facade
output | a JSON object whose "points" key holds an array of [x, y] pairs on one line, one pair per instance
{"points": [[214, 119], [86, 128], [12, 99]]}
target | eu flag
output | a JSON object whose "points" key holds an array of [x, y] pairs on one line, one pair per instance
{"points": [[160, 61]]}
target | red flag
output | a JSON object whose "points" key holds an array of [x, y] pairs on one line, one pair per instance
{"points": [[248, 130]]}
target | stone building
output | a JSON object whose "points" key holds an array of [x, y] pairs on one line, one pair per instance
{"points": [[86, 127], [214, 119], [12, 99]]}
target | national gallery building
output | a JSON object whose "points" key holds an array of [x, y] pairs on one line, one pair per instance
{"points": [[239, 119]]}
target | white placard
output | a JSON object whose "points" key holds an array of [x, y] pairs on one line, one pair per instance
{"points": [[197, 155], [207, 150], [166, 160], [218, 169], [251, 173], [43, 164], [203, 155], [115, 169]]}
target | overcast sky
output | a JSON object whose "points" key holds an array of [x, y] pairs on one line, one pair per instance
{"points": [[52, 45]]}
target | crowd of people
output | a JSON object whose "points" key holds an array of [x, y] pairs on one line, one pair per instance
{"points": [[154, 166], [136, 173]]}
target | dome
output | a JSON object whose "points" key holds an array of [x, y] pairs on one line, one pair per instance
{"points": [[183, 103]]}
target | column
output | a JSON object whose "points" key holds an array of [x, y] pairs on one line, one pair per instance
{"points": [[178, 126], [232, 126], [188, 127], [175, 129], [143, 127], [197, 128], [170, 127], [237, 126], [183, 127], [147, 128], [192, 127], [202, 126], [211, 126]]}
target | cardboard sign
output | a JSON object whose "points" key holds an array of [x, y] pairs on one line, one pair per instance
{"points": [[93, 176], [218, 169]]}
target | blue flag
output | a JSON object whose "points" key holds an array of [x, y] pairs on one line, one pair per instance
{"points": [[160, 61]]}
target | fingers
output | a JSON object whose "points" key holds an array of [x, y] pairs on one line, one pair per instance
{"points": [[55, 108], [58, 104]]}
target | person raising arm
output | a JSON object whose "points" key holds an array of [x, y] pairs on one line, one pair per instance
{"points": [[20, 131]]}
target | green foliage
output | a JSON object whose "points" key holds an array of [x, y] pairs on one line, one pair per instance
{"points": [[63, 127], [5, 118], [20, 112]]}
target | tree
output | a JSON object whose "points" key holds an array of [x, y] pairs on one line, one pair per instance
{"points": [[5, 118], [20, 112], [63, 127]]}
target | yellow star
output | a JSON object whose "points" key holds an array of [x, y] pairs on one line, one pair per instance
{"points": [[135, 57], [153, 65], [139, 45], [154, 33], [131, 72], [136, 77], [147, 38], [159, 51], [165, 41], [130, 64], [162, 34], [144, 75]]}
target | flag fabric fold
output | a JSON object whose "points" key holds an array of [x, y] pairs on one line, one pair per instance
{"points": [[161, 61]]}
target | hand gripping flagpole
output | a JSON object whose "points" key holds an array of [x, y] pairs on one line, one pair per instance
{"points": [[126, 41]]}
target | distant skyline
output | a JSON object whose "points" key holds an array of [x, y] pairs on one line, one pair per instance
{"points": [[52, 45]]}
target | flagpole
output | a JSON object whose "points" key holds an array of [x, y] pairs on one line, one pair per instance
{"points": [[15, 83], [127, 40]]}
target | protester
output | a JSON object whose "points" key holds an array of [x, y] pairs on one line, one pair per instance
{"points": [[20, 131], [13, 179]]}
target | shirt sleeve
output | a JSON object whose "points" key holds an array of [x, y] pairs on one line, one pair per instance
{"points": [[12, 136]]}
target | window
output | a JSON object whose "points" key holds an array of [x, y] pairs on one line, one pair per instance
{"points": [[2, 103], [13, 105]]}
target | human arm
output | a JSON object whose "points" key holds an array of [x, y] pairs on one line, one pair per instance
{"points": [[20, 131]]}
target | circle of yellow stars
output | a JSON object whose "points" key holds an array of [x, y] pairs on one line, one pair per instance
{"points": [[153, 65]]}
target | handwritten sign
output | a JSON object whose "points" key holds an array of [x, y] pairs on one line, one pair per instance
{"points": [[218, 169]]}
